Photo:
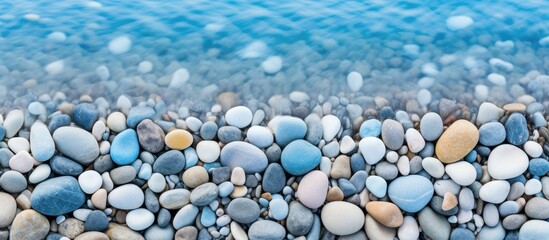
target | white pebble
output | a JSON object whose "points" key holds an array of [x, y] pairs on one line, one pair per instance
{"points": [[57, 37], [81, 214], [433, 166], [103, 73], [156, 182], [56, 67], [463, 173], [298, 97], [391, 156], [145, 67], [429, 69], [500, 64], [19, 144], [544, 42], [179, 78], [423, 97], [193, 124], [372, 149], [355, 81], [331, 125], [139, 219], [260, 136], [120, 45], [497, 79], [495, 191], [533, 149], [239, 116], [426, 82], [272, 64], [459, 22], [90, 181], [415, 140], [532, 186], [40, 173], [255, 49], [347, 144], [208, 151], [116, 122]]}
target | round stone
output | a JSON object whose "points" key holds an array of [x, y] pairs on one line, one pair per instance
{"points": [[433, 166], [434, 225], [372, 149], [287, 129], [185, 216], [266, 229], [312, 189], [411, 193], [239, 116], [260, 136], [274, 178], [278, 209], [354, 81], [300, 157], [342, 218], [195, 176], [178, 139], [170, 162], [331, 125], [516, 128], [77, 144], [40, 173], [507, 161], [538, 167], [126, 197], [208, 151], [13, 122], [495, 191], [41, 142], [175, 198], [13, 182], [156, 183], [243, 210], [414, 140], [457, 141], [377, 186], [21, 162], [533, 149], [244, 155], [204, 194], [29, 224], [139, 219], [370, 128], [537, 208], [116, 121], [90, 181], [534, 229], [463, 173], [492, 134], [57, 196]]}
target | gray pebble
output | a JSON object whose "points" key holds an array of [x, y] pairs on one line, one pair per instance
{"points": [[229, 134], [221, 174], [13, 182], [299, 220], [204, 194], [163, 218], [208, 131], [151, 201], [386, 170], [123, 174]]}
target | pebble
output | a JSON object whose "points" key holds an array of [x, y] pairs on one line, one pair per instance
{"points": [[244, 155], [433, 225], [175, 198], [385, 213], [204, 194], [29, 224], [457, 141], [492, 134], [274, 178], [150, 136], [243, 210], [260, 136], [376, 230], [538, 166], [13, 122], [372, 149], [92, 236], [208, 151], [77, 144], [392, 134], [354, 81], [179, 78], [278, 209], [377, 186], [266, 229], [414, 140], [342, 218], [18, 144], [120, 45], [411, 193], [433, 166], [463, 173], [63, 166], [495, 191], [8, 210], [287, 129], [239, 116], [533, 149], [85, 115], [431, 126], [126, 197], [300, 157], [331, 125], [21, 162], [13, 182], [119, 232], [96, 221], [300, 219], [117, 122], [185, 233], [507, 161], [488, 112], [185, 216], [312, 189], [90, 181], [41, 142], [459, 22], [537, 208], [370, 128], [409, 230], [516, 129], [272, 64], [229, 134], [178, 139], [139, 219], [170, 162], [534, 229], [195, 176], [99, 199], [57, 196]]}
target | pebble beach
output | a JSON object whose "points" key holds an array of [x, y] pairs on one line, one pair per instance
{"points": [[221, 134]]}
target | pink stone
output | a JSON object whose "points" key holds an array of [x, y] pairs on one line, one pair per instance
{"points": [[21, 162], [312, 189]]}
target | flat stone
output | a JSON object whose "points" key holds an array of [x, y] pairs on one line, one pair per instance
{"points": [[244, 155], [370, 128], [342, 218], [431, 126], [125, 147], [85, 115], [300, 219], [122, 175], [243, 210], [372, 149], [121, 232], [266, 229], [21, 162], [274, 178], [186, 233], [29, 224], [409, 230], [488, 112], [139, 219], [331, 125], [534, 229], [260, 136], [92, 236], [186, 216], [376, 230], [13, 122], [433, 225], [170, 162], [138, 114], [77, 144], [175, 198], [204, 194], [495, 191], [90, 181], [463, 173], [57, 196], [13, 182], [227, 134], [385, 213], [287, 129], [99, 199], [392, 134], [300, 157], [126, 197], [178, 139], [195, 176], [312, 189], [151, 136], [278, 209], [411, 193], [414, 140], [8, 210], [377, 186], [239, 116], [537, 208], [457, 141], [41, 142], [507, 161], [71, 228], [433, 166], [491, 134], [341, 167], [208, 151], [208, 130], [63, 166]]}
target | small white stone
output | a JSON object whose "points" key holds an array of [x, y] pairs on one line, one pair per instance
{"points": [[81, 214], [495, 191], [372, 149], [429, 69], [325, 165], [90, 181], [414, 140], [21, 162], [116, 122], [32, 17], [459, 22], [272, 64], [156, 182], [40, 173], [239, 116], [179, 78], [391, 156], [463, 173], [54, 68], [19, 144], [488, 112], [208, 151], [98, 130], [139, 219], [532, 186], [124, 104], [355, 81], [481, 92], [298, 97], [347, 144], [507, 161], [533, 149], [57, 37], [497, 79], [433, 166], [331, 125], [103, 73], [145, 67], [193, 124], [120, 45], [260, 136], [403, 165], [409, 230], [423, 97]]}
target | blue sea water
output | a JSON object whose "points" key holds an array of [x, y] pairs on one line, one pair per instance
{"points": [[222, 45]]}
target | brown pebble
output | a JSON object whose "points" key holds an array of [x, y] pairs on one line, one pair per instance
{"points": [[450, 201], [186, 233], [121, 232], [71, 228], [178, 139], [23, 200], [341, 168], [267, 195], [386, 213], [121, 216], [457, 141], [334, 194], [239, 191]]}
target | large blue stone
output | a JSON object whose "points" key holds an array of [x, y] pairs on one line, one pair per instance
{"points": [[300, 157], [138, 114], [289, 129], [538, 167], [57, 196], [63, 166], [85, 115], [170, 162], [411, 193], [370, 128], [125, 147], [491, 134], [517, 129]]}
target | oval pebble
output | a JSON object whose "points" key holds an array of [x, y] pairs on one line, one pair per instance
{"points": [[342, 218], [139, 219], [507, 161], [126, 197]]}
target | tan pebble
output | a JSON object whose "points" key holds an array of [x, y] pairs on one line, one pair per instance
{"points": [[178, 139], [23, 200], [341, 168], [238, 176], [71, 228], [385, 213], [457, 141], [195, 176], [514, 107], [239, 191], [186, 233], [29, 224], [121, 216], [92, 236], [334, 194], [99, 199], [267, 195], [120, 232], [227, 100], [450, 201]]}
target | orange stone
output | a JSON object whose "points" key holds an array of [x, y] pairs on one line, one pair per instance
{"points": [[457, 141], [386, 213], [178, 139], [450, 201]]}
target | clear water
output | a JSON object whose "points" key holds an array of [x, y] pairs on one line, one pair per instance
{"points": [[320, 42]]}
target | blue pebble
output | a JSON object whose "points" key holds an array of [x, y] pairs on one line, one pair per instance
{"points": [[359, 180], [264, 202], [58, 121], [191, 158], [377, 186], [2, 132], [208, 131], [208, 217], [96, 221], [386, 113], [357, 162], [211, 165], [170, 162], [428, 150], [57, 196], [225, 189], [278, 209], [471, 156], [138, 114], [274, 178], [411, 193], [346, 187], [491, 134], [538, 167], [65, 167], [507, 208], [517, 129], [462, 234], [519, 178], [538, 120], [478, 169], [483, 151], [229, 134], [300, 157], [125, 147], [145, 172], [289, 129], [512, 235], [85, 115], [370, 128]]}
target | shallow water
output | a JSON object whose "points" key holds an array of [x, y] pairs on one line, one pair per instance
{"points": [[222, 44]]}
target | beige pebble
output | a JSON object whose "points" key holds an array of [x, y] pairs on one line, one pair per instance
{"points": [[92, 236], [99, 199], [71, 228], [457, 141], [450, 201], [238, 176], [385, 213], [341, 168], [120, 232], [239, 191], [334, 194], [195, 176], [178, 139]]}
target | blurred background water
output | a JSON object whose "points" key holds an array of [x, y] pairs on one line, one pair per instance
{"points": [[223, 46]]}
